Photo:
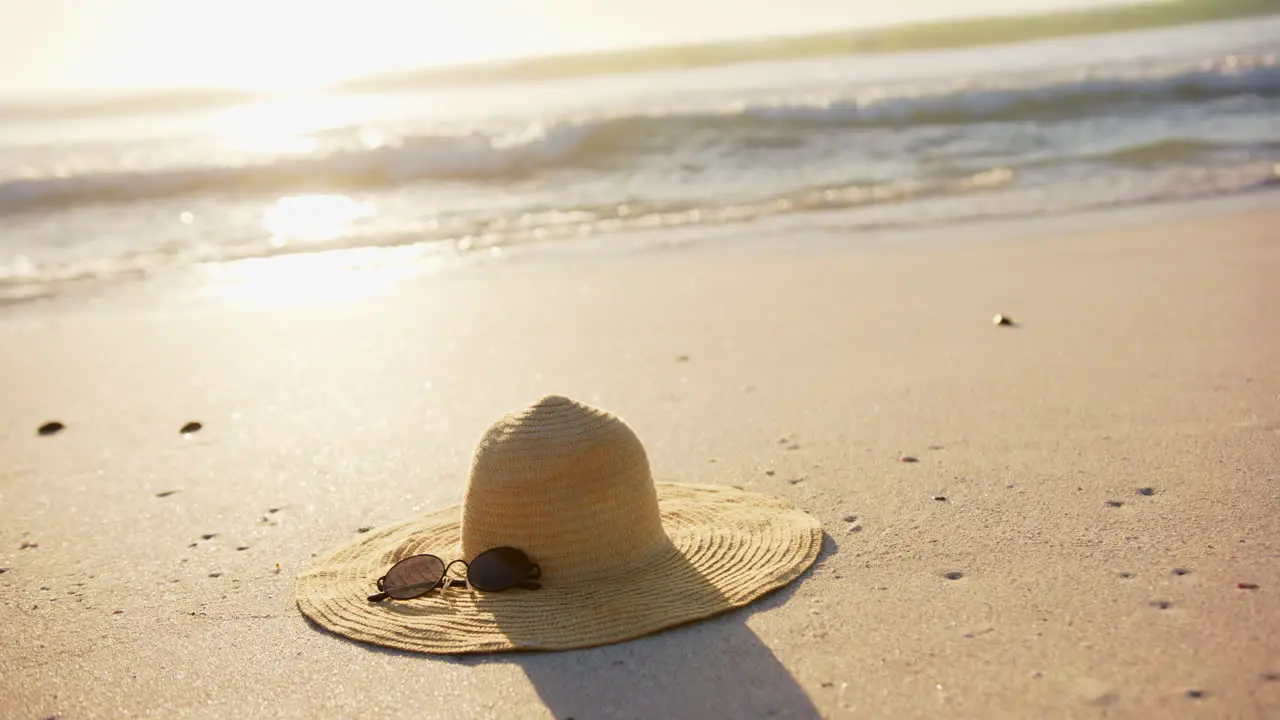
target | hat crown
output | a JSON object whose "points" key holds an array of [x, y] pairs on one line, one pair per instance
{"points": [[566, 483]]}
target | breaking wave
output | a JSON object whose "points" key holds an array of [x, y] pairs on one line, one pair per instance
{"points": [[619, 143]]}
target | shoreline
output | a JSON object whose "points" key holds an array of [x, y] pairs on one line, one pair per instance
{"points": [[819, 232]]}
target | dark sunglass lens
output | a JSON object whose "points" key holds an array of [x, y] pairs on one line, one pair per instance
{"points": [[413, 576], [499, 569]]}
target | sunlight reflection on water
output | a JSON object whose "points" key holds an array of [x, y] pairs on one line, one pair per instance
{"points": [[323, 278], [312, 218]]}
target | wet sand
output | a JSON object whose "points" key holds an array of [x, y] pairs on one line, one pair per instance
{"points": [[1094, 497]]}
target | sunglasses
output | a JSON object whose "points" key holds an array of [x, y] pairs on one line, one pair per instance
{"points": [[495, 570]]}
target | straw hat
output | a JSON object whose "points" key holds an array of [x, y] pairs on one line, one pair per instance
{"points": [[620, 555]]}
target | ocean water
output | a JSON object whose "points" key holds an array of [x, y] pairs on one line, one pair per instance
{"points": [[891, 140]]}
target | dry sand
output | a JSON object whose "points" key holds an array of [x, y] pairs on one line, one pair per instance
{"points": [[1144, 357]]}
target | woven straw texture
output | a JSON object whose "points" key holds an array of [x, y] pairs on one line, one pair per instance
{"points": [[621, 556]]}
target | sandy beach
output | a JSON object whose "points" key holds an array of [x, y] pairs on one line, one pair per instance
{"points": [[1091, 528]]}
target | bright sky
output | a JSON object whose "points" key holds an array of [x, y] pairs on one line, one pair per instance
{"points": [[106, 45]]}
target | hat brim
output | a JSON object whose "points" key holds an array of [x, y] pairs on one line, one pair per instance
{"points": [[727, 548]]}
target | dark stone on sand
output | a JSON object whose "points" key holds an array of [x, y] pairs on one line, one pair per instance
{"points": [[1181, 571], [1270, 676], [1196, 694], [850, 518], [3, 570], [1125, 575], [191, 427], [1147, 492], [50, 428], [1114, 503], [165, 493], [215, 574], [273, 510], [908, 459], [208, 536], [364, 529], [28, 545], [1002, 321], [940, 498], [1162, 604], [769, 473], [1247, 586], [242, 547], [953, 575], [682, 358]]}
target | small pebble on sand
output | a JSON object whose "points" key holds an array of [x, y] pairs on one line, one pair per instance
{"points": [[1125, 575], [854, 528], [117, 612], [1195, 694], [3, 570], [953, 575], [769, 473], [940, 498], [28, 545], [850, 518], [1181, 571], [1114, 503], [273, 510], [1247, 586], [191, 427], [1162, 604], [208, 536], [50, 428], [165, 493], [242, 548], [364, 529], [216, 573], [1146, 492], [1002, 321], [908, 459], [682, 358]]}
